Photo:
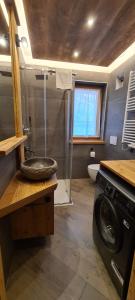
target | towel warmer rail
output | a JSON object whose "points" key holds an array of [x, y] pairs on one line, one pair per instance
{"points": [[128, 135]]}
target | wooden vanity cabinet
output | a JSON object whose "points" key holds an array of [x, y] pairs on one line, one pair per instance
{"points": [[34, 220]]}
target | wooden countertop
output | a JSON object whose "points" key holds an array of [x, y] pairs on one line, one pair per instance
{"points": [[21, 192], [123, 168]]}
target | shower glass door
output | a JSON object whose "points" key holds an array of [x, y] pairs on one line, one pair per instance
{"points": [[33, 107], [59, 135], [68, 140], [47, 118]]}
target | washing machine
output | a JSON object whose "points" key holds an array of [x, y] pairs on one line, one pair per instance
{"points": [[114, 227]]}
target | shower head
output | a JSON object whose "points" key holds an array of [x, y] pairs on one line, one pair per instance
{"points": [[41, 77], [6, 73]]}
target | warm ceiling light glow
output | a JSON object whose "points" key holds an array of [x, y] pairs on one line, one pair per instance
{"points": [[67, 65], [3, 42], [90, 22], [127, 54], [4, 9], [29, 60], [76, 54]]}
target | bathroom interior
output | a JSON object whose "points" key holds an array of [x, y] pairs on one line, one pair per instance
{"points": [[67, 150]]}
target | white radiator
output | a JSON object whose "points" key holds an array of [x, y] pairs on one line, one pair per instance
{"points": [[128, 135]]}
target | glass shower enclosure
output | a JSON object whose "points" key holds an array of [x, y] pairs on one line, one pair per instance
{"points": [[47, 119]]}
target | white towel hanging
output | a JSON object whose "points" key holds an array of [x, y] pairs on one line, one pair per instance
{"points": [[64, 79]]}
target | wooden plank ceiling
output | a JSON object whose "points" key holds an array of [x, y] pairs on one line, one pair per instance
{"points": [[3, 31], [58, 27]]}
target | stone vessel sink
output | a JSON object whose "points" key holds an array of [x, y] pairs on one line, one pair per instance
{"points": [[39, 168]]}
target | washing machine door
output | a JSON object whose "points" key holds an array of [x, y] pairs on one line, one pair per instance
{"points": [[108, 223]]}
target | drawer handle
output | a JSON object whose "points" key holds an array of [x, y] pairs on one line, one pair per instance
{"points": [[117, 273]]}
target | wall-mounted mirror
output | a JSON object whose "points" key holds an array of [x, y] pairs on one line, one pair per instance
{"points": [[7, 124]]}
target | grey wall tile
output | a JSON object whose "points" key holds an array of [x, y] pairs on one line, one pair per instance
{"points": [[7, 170], [56, 121], [7, 124], [116, 111], [61, 167], [55, 113], [81, 159]]}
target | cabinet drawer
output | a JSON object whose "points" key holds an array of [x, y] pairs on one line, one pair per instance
{"points": [[35, 220]]}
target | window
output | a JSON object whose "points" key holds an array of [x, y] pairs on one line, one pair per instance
{"points": [[87, 112]]}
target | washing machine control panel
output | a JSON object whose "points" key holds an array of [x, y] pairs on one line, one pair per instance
{"points": [[118, 198], [107, 187], [125, 204]]}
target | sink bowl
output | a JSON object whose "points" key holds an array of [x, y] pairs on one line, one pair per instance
{"points": [[39, 168]]}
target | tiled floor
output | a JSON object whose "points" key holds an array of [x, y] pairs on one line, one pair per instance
{"points": [[67, 266]]}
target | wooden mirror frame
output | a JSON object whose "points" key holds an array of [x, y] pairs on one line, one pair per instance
{"points": [[11, 143]]}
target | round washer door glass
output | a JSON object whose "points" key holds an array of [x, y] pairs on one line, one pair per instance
{"points": [[108, 224]]}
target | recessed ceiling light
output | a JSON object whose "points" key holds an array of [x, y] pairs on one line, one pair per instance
{"points": [[3, 41], [76, 54], [90, 22]]}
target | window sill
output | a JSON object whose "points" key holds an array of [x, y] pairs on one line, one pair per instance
{"points": [[81, 141]]}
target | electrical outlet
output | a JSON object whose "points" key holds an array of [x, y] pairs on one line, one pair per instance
{"points": [[113, 140]]}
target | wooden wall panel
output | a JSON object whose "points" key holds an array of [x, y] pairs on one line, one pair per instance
{"points": [[16, 80]]}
